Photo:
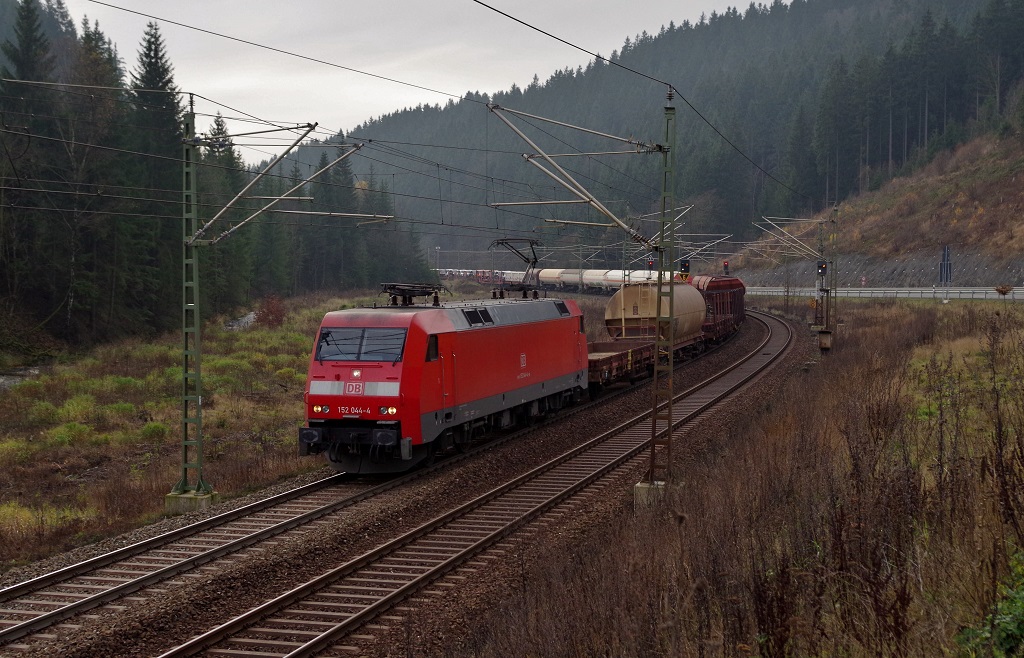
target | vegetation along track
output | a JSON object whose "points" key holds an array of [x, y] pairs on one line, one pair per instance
{"points": [[324, 611], [29, 608]]}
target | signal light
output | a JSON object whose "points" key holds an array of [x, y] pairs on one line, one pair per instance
{"points": [[725, 266], [650, 265], [822, 267], [684, 266]]}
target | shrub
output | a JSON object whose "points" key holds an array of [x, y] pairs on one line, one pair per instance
{"points": [[79, 408], [231, 375], [154, 431], [120, 384], [1001, 634], [29, 389], [68, 433], [14, 451], [168, 381], [288, 377], [271, 312], [42, 413], [30, 524], [120, 409]]}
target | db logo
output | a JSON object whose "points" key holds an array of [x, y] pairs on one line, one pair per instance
{"points": [[353, 388], [522, 360]]}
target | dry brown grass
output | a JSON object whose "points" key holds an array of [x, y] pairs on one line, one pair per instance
{"points": [[970, 198], [867, 509], [90, 447]]}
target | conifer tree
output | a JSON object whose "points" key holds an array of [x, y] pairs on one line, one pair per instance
{"points": [[227, 266], [100, 261], [29, 54], [25, 233], [156, 120]]}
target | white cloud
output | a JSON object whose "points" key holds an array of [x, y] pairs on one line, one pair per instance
{"points": [[451, 45]]}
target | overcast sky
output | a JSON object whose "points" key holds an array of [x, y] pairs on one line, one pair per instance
{"points": [[452, 46]]}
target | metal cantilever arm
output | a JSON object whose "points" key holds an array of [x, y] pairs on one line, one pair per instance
{"points": [[309, 128], [562, 177], [352, 149]]}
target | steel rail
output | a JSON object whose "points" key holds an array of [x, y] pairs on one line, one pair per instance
{"points": [[85, 603], [37, 586], [625, 441], [132, 550]]}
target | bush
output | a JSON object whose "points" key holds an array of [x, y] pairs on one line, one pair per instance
{"points": [[78, 408], [154, 431], [29, 389], [271, 312], [1002, 633], [167, 382], [14, 452], [289, 377], [69, 433], [120, 409], [42, 413]]}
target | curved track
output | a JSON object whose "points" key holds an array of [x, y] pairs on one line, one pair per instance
{"points": [[29, 608], [323, 612]]}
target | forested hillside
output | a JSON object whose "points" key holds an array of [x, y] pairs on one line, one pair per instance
{"points": [[805, 104], [91, 197], [783, 109]]}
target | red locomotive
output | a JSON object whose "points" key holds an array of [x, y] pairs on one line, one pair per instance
{"points": [[389, 387], [392, 386]]}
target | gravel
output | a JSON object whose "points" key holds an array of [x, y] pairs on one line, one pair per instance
{"points": [[198, 602]]}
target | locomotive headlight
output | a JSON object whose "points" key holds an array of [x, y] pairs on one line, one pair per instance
{"points": [[317, 408], [392, 411], [383, 411], [388, 411]]}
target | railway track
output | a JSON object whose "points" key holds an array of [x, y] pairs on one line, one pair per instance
{"points": [[323, 612], [30, 608]]}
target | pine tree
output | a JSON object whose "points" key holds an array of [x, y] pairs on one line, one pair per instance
{"points": [[30, 60], [101, 267], [29, 55], [227, 266], [156, 120], [30, 238]]}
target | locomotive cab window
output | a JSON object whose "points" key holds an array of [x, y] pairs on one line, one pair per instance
{"points": [[360, 344], [432, 350], [562, 308]]}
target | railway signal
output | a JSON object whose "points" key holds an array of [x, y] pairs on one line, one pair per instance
{"points": [[822, 267], [684, 266], [725, 267]]}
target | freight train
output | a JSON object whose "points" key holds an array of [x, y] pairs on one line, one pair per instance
{"points": [[392, 386]]}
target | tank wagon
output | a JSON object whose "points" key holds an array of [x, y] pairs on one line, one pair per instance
{"points": [[606, 281], [389, 387], [631, 321]]}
